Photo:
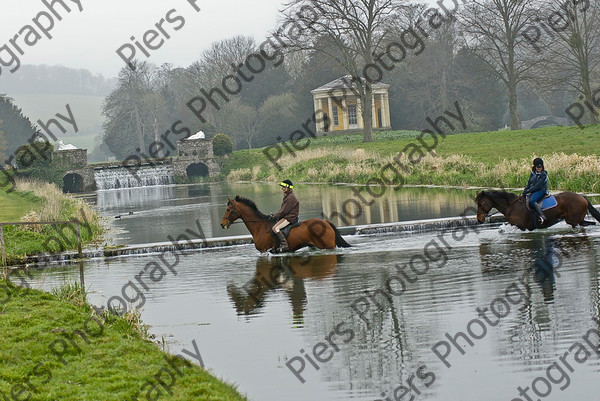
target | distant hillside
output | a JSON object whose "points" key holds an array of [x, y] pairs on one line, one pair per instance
{"points": [[44, 79], [86, 110], [42, 91]]}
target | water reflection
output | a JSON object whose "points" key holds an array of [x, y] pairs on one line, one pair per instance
{"points": [[286, 273], [169, 208], [253, 313], [547, 259]]}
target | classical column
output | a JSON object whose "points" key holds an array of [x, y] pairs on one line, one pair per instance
{"points": [[386, 110], [317, 114], [359, 118], [329, 114], [346, 123], [373, 112]]}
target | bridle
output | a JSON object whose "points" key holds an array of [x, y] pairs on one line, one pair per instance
{"points": [[232, 203], [488, 214]]}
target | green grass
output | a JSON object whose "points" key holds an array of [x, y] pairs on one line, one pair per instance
{"points": [[491, 147], [113, 364], [15, 204], [48, 205], [470, 159]]}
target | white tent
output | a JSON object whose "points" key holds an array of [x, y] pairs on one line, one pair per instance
{"points": [[197, 135]]}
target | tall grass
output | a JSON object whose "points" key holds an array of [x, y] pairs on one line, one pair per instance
{"points": [[472, 159], [52, 205], [567, 172]]}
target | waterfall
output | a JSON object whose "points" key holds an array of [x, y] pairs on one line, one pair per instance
{"points": [[113, 178]]}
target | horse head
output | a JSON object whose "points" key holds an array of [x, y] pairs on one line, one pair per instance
{"points": [[231, 214], [484, 205]]}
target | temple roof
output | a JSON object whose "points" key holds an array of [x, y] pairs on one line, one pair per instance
{"points": [[345, 82]]}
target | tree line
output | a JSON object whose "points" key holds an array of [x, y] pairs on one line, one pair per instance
{"points": [[504, 60]]}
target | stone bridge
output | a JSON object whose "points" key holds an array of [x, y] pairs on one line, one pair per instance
{"points": [[544, 121], [195, 158]]}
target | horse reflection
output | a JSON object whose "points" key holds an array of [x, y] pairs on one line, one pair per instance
{"points": [[543, 256], [287, 273], [549, 256], [548, 261]]}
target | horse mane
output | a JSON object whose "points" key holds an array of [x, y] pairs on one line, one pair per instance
{"points": [[251, 205], [507, 196]]}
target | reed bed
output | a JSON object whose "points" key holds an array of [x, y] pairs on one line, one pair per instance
{"points": [[572, 172]]}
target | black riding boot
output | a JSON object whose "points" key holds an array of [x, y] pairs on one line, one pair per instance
{"points": [[538, 210], [283, 245]]}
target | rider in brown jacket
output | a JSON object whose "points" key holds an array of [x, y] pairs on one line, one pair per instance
{"points": [[288, 214]]}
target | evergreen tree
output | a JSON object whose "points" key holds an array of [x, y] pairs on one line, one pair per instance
{"points": [[16, 127], [3, 148]]}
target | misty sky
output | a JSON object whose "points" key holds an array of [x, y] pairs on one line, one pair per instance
{"points": [[89, 39]]}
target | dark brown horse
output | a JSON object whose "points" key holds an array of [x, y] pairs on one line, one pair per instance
{"points": [[316, 232], [571, 207]]}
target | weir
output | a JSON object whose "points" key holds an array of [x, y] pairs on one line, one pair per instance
{"points": [[416, 226], [402, 227], [194, 158], [121, 177]]}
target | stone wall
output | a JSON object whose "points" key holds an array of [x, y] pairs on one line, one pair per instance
{"points": [[181, 164], [193, 152], [89, 180], [72, 158], [197, 148]]}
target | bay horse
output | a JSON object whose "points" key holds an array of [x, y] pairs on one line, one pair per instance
{"points": [[571, 207], [316, 232]]}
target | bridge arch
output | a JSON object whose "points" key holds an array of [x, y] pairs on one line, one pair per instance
{"points": [[542, 121], [197, 170], [73, 183]]}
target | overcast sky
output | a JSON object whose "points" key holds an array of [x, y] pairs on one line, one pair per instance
{"points": [[89, 39]]}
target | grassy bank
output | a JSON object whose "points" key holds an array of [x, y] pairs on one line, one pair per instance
{"points": [[486, 159], [52, 350], [39, 201]]}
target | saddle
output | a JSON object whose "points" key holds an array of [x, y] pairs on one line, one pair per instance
{"points": [[285, 231], [547, 202]]}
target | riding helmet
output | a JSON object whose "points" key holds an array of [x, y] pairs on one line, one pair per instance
{"points": [[537, 162], [286, 184]]}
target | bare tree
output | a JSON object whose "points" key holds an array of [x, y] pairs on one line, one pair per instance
{"points": [[222, 58], [573, 45], [130, 109], [493, 31], [238, 120], [429, 87], [350, 32]]}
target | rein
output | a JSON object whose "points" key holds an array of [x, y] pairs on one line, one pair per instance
{"points": [[244, 221], [509, 205]]}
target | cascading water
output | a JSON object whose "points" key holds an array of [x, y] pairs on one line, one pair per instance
{"points": [[113, 178]]}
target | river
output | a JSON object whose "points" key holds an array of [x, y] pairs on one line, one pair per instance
{"points": [[370, 324]]}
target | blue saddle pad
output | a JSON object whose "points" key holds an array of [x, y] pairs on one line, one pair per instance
{"points": [[549, 202]]}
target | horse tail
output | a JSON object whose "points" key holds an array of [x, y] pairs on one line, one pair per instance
{"points": [[593, 211], [339, 241]]}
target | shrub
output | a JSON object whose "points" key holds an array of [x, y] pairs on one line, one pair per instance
{"points": [[222, 145], [35, 161]]}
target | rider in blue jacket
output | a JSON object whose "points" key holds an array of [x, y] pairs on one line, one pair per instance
{"points": [[537, 186]]}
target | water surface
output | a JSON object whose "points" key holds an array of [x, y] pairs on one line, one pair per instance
{"points": [[251, 314], [165, 210]]}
